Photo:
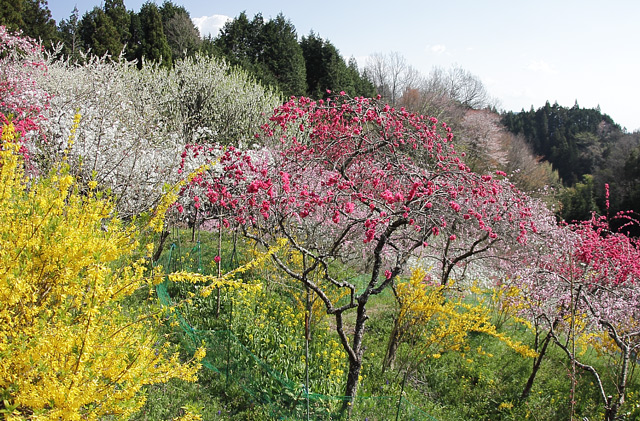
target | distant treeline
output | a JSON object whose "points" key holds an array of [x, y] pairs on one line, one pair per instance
{"points": [[589, 150], [268, 49]]}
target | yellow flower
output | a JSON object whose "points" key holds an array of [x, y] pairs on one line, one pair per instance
{"points": [[64, 337]]}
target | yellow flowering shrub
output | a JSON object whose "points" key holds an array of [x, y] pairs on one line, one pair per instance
{"points": [[438, 323], [70, 348]]}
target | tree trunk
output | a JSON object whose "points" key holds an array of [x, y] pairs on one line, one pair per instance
{"points": [[536, 366], [355, 359], [392, 348], [163, 236], [612, 409]]}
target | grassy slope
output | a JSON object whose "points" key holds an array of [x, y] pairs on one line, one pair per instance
{"points": [[480, 386]]}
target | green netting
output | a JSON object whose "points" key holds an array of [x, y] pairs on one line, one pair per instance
{"points": [[286, 399]]}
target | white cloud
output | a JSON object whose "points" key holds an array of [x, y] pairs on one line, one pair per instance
{"points": [[210, 24], [540, 66], [438, 49]]}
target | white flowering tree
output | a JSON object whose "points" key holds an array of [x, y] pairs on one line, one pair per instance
{"points": [[136, 123]]}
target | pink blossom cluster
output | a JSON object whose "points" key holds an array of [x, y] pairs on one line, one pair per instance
{"points": [[362, 171], [22, 101], [20, 58]]}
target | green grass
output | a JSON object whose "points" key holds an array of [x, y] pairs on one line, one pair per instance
{"points": [[457, 386]]}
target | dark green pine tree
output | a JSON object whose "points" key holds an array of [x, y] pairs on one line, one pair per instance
{"points": [[120, 18], [282, 56], [99, 35], [312, 51], [362, 85], [209, 48], [327, 70], [37, 22], [268, 50], [134, 46], [153, 45], [11, 14], [631, 180], [239, 41]]}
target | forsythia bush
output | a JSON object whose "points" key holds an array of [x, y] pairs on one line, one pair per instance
{"points": [[69, 346], [441, 324]]}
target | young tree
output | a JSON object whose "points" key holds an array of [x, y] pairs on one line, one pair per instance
{"points": [[466, 251], [604, 283], [182, 35], [69, 31], [348, 179], [581, 287], [435, 321]]}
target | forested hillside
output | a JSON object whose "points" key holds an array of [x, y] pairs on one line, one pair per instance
{"points": [[589, 150]]}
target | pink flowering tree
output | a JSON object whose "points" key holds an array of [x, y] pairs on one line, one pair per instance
{"points": [[472, 244], [581, 288], [22, 100], [355, 183], [530, 287], [605, 275]]}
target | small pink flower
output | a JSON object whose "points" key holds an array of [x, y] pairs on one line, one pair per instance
{"points": [[452, 237], [217, 259], [387, 274]]}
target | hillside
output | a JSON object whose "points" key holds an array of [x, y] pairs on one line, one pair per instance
{"points": [[248, 228]]}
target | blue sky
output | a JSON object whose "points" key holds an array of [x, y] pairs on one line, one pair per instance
{"points": [[525, 52]]}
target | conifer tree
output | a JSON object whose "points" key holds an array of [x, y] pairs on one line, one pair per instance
{"points": [[11, 14], [282, 56], [120, 18], [153, 45], [98, 33]]}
